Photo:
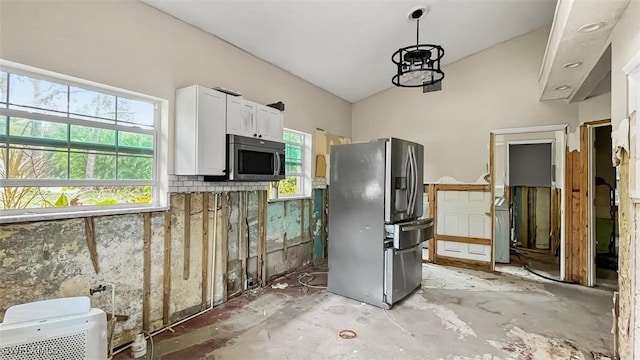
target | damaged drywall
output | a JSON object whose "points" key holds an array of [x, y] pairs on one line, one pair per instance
{"points": [[50, 259], [625, 261], [288, 236]]}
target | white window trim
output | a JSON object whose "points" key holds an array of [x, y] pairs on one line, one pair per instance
{"points": [[160, 153], [307, 181]]}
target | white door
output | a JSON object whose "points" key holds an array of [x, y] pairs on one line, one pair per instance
{"points": [[270, 123], [463, 225], [211, 146], [241, 117]]}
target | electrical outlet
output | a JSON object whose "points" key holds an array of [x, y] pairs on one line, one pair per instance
{"points": [[250, 283]]}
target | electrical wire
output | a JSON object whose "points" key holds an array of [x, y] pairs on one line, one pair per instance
{"points": [[311, 275], [540, 275], [396, 324], [151, 341]]}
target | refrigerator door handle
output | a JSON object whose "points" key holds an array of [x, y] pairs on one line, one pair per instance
{"points": [[415, 180], [412, 181], [408, 176]]}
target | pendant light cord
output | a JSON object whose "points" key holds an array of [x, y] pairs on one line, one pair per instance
{"points": [[417, 33]]}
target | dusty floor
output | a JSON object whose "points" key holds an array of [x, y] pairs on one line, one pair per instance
{"points": [[458, 314]]}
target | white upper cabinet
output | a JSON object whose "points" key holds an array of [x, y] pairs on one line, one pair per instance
{"points": [[200, 143], [241, 117], [270, 123], [247, 118]]}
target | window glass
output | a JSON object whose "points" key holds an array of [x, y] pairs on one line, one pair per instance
{"points": [[3, 87], [297, 169], [67, 145], [135, 112], [91, 103], [35, 95]]}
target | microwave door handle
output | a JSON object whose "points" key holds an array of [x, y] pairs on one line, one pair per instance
{"points": [[277, 167]]}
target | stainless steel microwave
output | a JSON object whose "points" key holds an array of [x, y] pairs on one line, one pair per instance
{"points": [[251, 159]]}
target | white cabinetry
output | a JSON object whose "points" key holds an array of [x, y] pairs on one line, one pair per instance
{"points": [[247, 118], [200, 136]]}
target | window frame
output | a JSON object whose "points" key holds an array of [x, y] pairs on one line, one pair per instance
{"points": [[154, 130], [304, 188]]}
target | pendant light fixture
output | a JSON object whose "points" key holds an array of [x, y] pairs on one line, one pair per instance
{"points": [[418, 65]]}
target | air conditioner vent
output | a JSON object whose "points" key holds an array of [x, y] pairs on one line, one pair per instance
{"points": [[69, 347]]}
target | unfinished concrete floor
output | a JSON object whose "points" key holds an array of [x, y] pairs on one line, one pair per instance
{"points": [[458, 314]]}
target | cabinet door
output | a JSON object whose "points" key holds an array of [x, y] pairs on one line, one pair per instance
{"points": [[241, 117], [210, 135], [270, 122]]}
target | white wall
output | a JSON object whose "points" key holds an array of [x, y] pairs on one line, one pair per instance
{"points": [[133, 46], [496, 88], [625, 43], [595, 108]]}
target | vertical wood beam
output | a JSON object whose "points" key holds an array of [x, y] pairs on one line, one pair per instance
{"points": [[243, 238], [432, 214], [146, 281], [224, 242], [166, 283], [90, 235], [262, 224], [187, 236], [492, 184], [205, 248], [584, 205]]}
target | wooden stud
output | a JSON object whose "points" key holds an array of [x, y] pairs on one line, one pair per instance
{"points": [[146, 280], [598, 122], [432, 214], [301, 201], [262, 223], [492, 185], [583, 245], [205, 248], [224, 243], [464, 263], [464, 239], [243, 249], [434, 252], [524, 211], [462, 187], [187, 236], [166, 284], [90, 235], [259, 242]]}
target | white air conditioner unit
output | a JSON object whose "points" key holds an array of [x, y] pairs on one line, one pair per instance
{"points": [[57, 329]]}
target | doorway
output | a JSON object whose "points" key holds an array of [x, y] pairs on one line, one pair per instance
{"points": [[603, 235], [528, 199]]}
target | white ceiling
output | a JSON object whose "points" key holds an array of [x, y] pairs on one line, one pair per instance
{"points": [[568, 44], [345, 46]]}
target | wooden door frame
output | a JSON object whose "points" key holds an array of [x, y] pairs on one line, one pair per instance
{"points": [[433, 212], [562, 185], [587, 155]]}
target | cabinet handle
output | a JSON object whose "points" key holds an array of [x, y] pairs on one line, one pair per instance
{"points": [[259, 136], [255, 134]]}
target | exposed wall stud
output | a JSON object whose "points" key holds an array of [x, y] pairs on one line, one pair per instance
{"points": [[146, 281], [91, 242], [166, 283], [205, 248], [187, 236], [224, 242]]}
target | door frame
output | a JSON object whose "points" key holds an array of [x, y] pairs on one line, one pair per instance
{"points": [[560, 139], [587, 151]]}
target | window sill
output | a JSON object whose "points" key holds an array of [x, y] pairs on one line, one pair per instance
{"points": [[287, 198], [62, 215]]}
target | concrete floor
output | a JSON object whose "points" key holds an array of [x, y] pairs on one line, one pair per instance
{"points": [[458, 314]]}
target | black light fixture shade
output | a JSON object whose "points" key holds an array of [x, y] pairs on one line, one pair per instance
{"points": [[418, 65]]}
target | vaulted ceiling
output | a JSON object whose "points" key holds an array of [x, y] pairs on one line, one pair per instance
{"points": [[345, 46]]}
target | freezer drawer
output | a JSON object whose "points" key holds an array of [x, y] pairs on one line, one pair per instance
{"points": [[403, 272], [410, 233]]}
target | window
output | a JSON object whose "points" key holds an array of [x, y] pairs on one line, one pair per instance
{"points": [[297, 181], [67, 145]]}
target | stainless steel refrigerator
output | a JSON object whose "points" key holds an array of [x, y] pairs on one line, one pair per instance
{"points": [[375, 234]]}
